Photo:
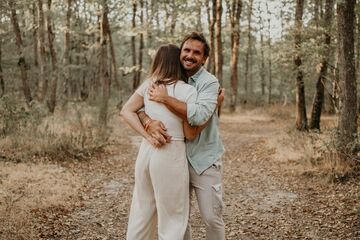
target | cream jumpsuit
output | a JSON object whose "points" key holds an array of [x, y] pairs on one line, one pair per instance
{"points": [[161, 192]]}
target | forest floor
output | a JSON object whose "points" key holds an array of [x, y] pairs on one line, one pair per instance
{"points": [[271, 191]]}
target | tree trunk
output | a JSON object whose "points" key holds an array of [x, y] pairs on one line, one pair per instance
{"points": [[141, 42], [133, 48], [358, 36], [269, 58], [2, 83], [113, 61], [173, 17], [316, 13], [35, 33], [67, 43], [347, 76], [248, 50], [54, 63], [321, 79], [20, 49], [235, 40], [301, 118], [198, 19], [104, 74], [262, 66], [262, 55], [43, 81], [211, 15], [218, 45]]}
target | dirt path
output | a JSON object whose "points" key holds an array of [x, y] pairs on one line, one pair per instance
{"points": [[266, 195]]}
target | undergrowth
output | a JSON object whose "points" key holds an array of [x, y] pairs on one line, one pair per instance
{"points": [[32, 133]]}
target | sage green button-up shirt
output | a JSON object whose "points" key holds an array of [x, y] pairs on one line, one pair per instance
{"points": [[207, 147]]}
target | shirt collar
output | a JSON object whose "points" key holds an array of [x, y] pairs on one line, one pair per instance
{"points": [[197, 74]]}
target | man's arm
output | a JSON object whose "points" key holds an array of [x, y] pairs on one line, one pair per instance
{"points": [[158, 93], [199, 112]]}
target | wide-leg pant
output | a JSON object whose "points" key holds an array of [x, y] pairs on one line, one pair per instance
{"points": [[161, 193]]}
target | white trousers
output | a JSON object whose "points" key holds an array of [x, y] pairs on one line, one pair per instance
{"points": [[208, 191], [161, 193]]}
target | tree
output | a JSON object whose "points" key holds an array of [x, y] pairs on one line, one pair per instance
{"points": [[20, 50], [211, 15], [141, 42], [269, 57], [301, 119], [235, 12], [104, 71], [218, 45], [348, 94], [248, 51], [2, 83], [67, 43], [43, 81], [321, 79], [54, 63], [133, 47]]}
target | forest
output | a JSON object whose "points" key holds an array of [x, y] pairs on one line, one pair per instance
{"points": [[289, 122]]}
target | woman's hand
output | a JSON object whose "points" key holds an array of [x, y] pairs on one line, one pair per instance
{"points": [[157, 93]]}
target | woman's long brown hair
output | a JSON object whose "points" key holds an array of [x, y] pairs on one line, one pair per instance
{"points": [[166, 67]]}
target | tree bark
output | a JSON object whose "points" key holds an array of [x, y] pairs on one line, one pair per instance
{"points": [[211, 15], [348, 94], [173, 17], [269, 57], [301, 118], [235, 40], [2, 82], [141, 42], [54, 62], [113, 60], [218, 45], [321, 79], [248, 50], [262, 64], [20, 49], [104, 74], [35, 33], [67, 43], [133, 47], [358, 35], [43, 81], [262, 55]]}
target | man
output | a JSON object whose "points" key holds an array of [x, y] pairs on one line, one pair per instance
{"points": [[205, 151]]}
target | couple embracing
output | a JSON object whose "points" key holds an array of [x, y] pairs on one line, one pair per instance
{"points": [[175, 112]]}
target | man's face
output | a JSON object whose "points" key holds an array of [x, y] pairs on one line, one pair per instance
{"points": [[192, 56]]}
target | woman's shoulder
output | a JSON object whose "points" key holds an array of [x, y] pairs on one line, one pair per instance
{"points": [[184, 85]]}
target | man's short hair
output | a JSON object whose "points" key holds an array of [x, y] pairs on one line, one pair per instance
{"points": [[199, 37]]}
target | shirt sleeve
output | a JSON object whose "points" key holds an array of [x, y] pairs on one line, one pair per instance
{"points": [[191, 95], [200, 112]]}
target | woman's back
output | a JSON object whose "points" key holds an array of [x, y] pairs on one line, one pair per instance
{"points": [[157, 111]]}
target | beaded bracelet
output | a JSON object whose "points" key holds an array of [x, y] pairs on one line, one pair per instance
{"points": [[147, 124]]}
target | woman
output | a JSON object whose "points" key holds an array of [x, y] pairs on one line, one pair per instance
{"points": [[161, 192]]}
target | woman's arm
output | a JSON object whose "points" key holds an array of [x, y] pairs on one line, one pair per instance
{"points": [[129, 114]]}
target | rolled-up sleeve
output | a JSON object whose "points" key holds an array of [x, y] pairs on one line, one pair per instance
{"points": [[201, 111]]}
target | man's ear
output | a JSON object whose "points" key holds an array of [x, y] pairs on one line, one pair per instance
{"points": [[204, 60]]}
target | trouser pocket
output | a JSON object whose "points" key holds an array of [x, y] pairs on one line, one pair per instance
{"points": [[217, 201]]}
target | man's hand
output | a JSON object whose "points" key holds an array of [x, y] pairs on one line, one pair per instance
{"points": [[221, 97], [157, 131], [157, 92]]}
